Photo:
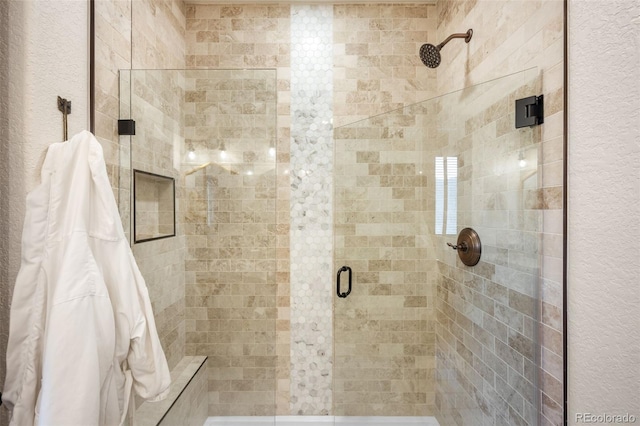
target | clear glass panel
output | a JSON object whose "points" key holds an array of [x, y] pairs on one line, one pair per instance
{"points": [[421, 334], [213, 131]]}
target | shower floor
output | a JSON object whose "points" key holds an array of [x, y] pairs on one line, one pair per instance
{"points": [[321, 421]]}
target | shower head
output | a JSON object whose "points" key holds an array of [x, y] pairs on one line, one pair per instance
{"points": [[430, 54]]}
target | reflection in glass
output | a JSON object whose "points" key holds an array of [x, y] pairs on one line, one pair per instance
{"points": [[446, 195]]}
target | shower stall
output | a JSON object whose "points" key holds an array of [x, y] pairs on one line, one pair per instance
{"points": [[317, 279]]}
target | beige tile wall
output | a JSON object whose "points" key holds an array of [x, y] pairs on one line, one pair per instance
{"points": [[231, 233], [231, 289], [252, 36], [510, 36], [113, 53], [376, 66]]}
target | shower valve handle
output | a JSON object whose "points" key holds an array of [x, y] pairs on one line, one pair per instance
{"points": [[468, 247], [462, 246]]}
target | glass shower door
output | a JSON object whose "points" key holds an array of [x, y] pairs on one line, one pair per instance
{"points": [[383, 329], [421, 333]]}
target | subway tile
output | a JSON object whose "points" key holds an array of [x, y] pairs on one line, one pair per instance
{"points": [[526, 347], [511, 357]]}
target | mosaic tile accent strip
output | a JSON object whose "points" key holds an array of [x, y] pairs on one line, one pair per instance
{"points": [[311, 207]]}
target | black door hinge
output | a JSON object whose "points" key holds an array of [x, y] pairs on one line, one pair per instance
{"points": [[529, 111], [126, 127]]}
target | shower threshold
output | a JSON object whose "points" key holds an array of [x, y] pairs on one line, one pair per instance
{"points": [[321, 421]]}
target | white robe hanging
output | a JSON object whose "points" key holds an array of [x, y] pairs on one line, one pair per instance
{"points": [[81, 329]]}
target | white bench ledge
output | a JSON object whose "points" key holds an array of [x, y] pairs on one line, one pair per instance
{"points": [[183, 374]]}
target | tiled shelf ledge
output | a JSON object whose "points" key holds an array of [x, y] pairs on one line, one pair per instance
{"points": [[187, 400]]}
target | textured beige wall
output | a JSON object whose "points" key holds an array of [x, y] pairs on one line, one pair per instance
{"points": [[43, 48], [604, 210], [510, 36], [5, 286]]}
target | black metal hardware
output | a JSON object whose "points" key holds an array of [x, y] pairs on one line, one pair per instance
{"points": [[529, 111], [126, 127], [341, 270], [64, 106]]}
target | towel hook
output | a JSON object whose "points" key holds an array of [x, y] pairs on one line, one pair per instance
{"points": [[64, 106]]}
